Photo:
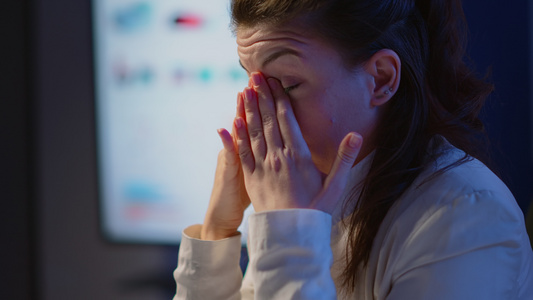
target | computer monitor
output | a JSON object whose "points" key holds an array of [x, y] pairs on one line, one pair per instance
{"points": [[167, 76]]}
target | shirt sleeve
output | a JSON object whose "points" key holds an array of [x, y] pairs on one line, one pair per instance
{"points": [[208, 269], [471, 248], [290, 255]]}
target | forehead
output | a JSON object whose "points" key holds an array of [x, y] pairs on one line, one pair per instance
{"points": [[248, 36], [253, 43]]}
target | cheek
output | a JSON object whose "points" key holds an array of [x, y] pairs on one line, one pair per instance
{"points": [[316, 123], [321, 135]]}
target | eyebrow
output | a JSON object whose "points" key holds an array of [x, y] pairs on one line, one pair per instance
{"points": [[272, 57]]}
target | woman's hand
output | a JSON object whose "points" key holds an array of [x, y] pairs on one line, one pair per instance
{"points": [[276, 161], [228, 198]]}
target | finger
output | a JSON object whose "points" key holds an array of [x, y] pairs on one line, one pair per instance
{"points": [[237, 106], [240, 106], [227, 139], [239, 95], [239, 113], [337, 178], [254, 124], [229, 146], [267, 110], [288, 126], [243, 146]]}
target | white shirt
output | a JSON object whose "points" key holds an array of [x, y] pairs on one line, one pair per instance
{"points": [[460, 235]]}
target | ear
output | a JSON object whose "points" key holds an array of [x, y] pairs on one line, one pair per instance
{"points": [[385, 68]]}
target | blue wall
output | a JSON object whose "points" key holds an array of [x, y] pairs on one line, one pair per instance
{"points": [[500, 39]]}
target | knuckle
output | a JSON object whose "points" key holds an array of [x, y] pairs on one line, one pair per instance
{"points": [[291, 154], [261, 95], [256, 133], [245, 153], [268, 120], [346, 157], [283, 113], [297, 156], [296, 160], [274, 161]]}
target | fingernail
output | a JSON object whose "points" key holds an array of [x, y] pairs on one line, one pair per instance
{"points": [[354, 140], [271, 82], [238, 123], [256, 78], [248, 93]]}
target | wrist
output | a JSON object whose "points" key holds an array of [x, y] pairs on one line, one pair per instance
{"points": [[213, 233]]}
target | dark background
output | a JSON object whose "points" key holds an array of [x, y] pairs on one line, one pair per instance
{"points": [[50, 243]]}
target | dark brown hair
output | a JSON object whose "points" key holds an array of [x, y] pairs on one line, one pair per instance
{"points": [[439, 94]]}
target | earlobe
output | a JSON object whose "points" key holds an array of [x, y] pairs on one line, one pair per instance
{"points": [[385, 68]]}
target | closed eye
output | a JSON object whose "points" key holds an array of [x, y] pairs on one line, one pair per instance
{"points": [[290, 88]]}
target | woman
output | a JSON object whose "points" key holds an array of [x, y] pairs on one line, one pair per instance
{"points": [[355, 142]]}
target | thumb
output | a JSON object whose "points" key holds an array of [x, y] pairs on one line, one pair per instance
{"points": [[337, 178]]}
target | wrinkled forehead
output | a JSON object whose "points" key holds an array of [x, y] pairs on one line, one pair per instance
{"points": [[248, 36], [296, 27], [255, 42]]}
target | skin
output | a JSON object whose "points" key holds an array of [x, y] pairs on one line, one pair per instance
{"points": [[290, 143]]}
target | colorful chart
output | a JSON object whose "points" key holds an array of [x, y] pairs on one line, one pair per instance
{"points": [[167, 75]]}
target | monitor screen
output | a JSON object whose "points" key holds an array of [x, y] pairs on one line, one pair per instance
{"points": [[167, 76]]}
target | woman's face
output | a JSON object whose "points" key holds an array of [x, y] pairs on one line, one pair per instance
{"points": [[328, 100]]}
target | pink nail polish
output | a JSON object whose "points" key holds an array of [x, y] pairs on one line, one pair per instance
{"points": [[238, 123], [256, 78], [249, 94]]}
